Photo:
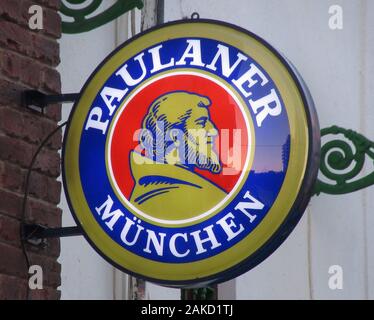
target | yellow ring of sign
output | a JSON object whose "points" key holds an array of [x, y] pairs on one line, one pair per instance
{"points": [[208, 269]]}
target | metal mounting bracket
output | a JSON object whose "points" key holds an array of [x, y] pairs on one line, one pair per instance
{"points": [[36, 234], [37, 101]]}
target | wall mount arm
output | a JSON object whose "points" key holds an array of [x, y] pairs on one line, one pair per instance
{"points": [[35, 234], [38, 101]]}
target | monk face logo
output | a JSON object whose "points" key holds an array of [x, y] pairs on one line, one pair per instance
{"points": [[178, 130], [177, 144]]}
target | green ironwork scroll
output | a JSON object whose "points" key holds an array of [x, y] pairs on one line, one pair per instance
{"points": [[342, 160], [81, 12], [205, 293]]}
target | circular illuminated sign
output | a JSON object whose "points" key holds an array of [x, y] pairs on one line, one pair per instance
{"points": [[191, 153]]}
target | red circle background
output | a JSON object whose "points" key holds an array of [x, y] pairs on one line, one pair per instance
{"points": [[224, 113]]}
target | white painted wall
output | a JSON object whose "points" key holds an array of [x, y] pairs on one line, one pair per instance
{"points": [[338, 68]]}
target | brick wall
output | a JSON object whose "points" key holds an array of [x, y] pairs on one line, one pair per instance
{"points": [[27, 61]]}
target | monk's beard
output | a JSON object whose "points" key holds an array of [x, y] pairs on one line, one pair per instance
{"points": [[204, 158]]}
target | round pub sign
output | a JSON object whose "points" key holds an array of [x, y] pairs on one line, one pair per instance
{"points": [[191, 153]]}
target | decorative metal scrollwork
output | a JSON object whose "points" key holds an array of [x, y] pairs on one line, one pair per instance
{"points": [[81, 12], [341, 161], [205, 293]]}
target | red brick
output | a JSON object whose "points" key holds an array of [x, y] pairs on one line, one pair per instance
{"points": [[15, 151], [51, 19], [18, 11], [27, 58], [15, 37], [11, 10], [10, 92], [11, 96], [31, 74], [15, 262], [48, 162], [45, 49], [54, 112], [9, 230], [20, 124], [49, 264], [37, 211], [47, 127], [52, 23], [54, 247], [45, 294], [45, 188], [55, 141], [30, 127], [37, 128], [38, 186], [11, 177], [53, 279], [10, 203], [33, 127], [43, 213], [11, 122], [10, 65], [50, 267], [29, 71], [19, 152], [51, 247], [54, 4], [54, 191], [12, 288], [51, 80]]}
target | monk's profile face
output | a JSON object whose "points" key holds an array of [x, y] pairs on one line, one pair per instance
{"points": [[199, 138], [183, 120]]}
